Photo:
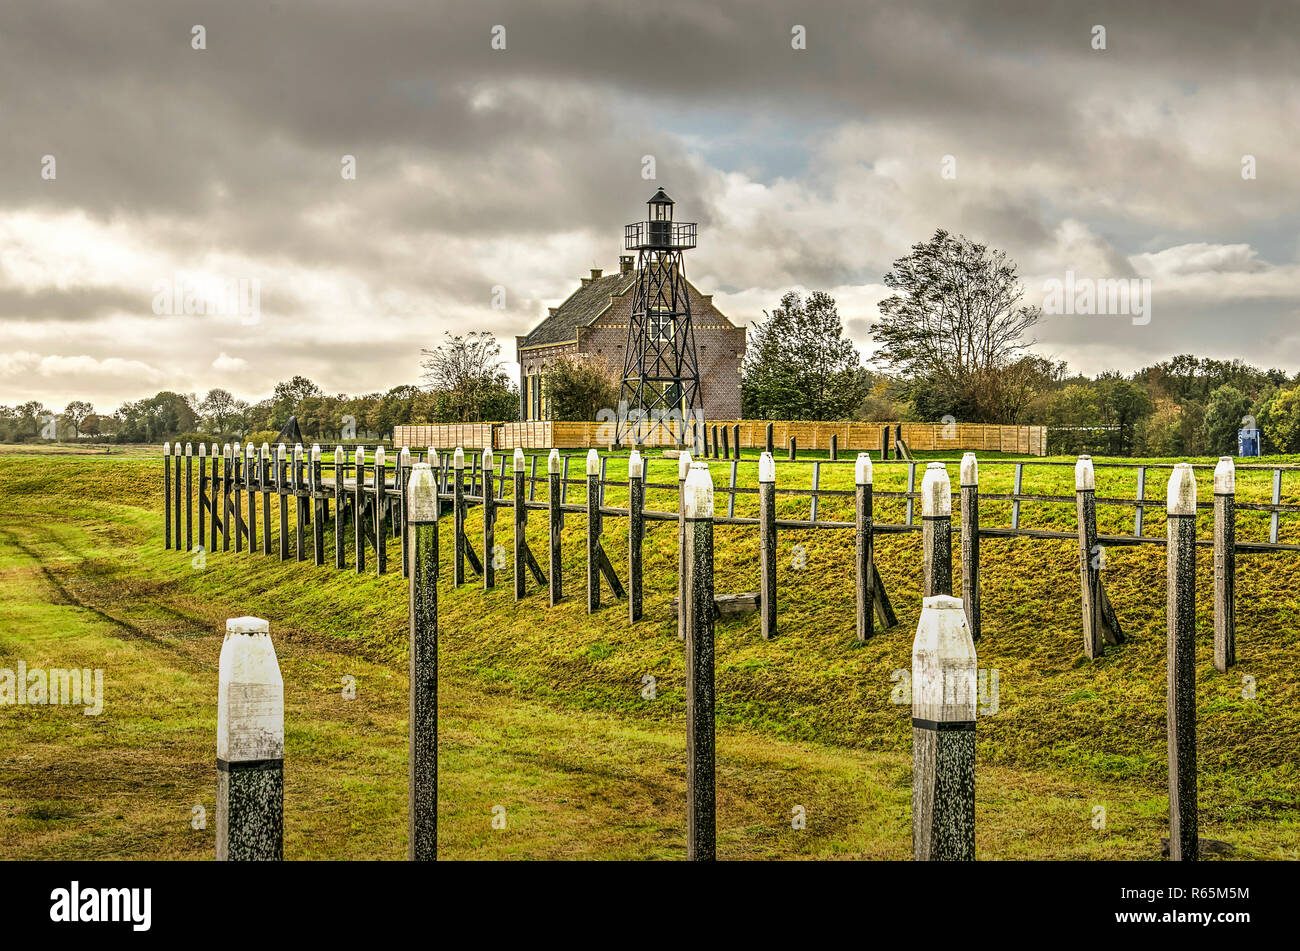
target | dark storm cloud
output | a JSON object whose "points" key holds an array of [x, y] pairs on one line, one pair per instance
{"points": [[479, 167]]}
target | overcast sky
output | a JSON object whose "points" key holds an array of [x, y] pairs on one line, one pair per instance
{"points": [[478, 167]]}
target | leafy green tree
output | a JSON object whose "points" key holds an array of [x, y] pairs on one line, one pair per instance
{"points": [[954, 328], [469, 378], [76, 413], [1223, 417], [576, 390], [1281, 422], [799, 365]]}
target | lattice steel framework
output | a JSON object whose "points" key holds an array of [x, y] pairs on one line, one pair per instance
{"points": [[661, 371]]}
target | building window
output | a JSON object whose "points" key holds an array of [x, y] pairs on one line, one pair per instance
{"points": [[534, 396], [661, 326]]}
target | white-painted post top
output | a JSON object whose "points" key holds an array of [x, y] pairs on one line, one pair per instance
{"points": [[225, 450], [248, 450], [458, 458], [1225, 476], [635, 467], [236, 447], [487, 457], [359, 457], [422, 494], [862, 471], [1180, 498], [315, 452], [766, 468], [431, 454], [1084, 478], [167, 449], [216, 450], [970, 469], [699, 492], [266, 450], [553, 461], [593, 462], [297, 452], [250, 694], [944, 666], [683, 465], [203, 450], [936, 491], [517, 462], [404, 457], [339, 455]]}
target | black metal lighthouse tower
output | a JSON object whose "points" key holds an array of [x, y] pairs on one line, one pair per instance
{"points": [[661, 373]]}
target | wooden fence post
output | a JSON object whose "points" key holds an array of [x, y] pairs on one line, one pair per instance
{"points": [[735, 438], [250, 486], [300, 505], [250, 745], [228, 469], [421, 508], [1225, 564], [835, 447], [264, 479], [794, 448], [635, 532], [767, 543], [865, 546], [403, 477], [317, 511], [936, 531], [203, 492], [944, 697], [489, 523], [381, 512], [554, 524], [340, 483], [522, 554], [236, 501], [970, 541], [683, 467], [189, 498], [726, 442], [770, 446], [593, 531], [458, 517], [214, 495], [167, 495], [1086, 516], [1180, 698], [176, 492], [701, 790], [359, 508]]}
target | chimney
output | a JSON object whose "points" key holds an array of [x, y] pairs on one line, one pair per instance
{"points": [[595, 274], [624, 263]]}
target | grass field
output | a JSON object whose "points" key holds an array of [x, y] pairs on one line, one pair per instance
{"points": [[542, 709]]}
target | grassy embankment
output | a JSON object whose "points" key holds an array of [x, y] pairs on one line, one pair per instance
{"points": [[542, 708]]}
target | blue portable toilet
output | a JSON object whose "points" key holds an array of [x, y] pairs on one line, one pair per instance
{"points": [[1248, 442]]}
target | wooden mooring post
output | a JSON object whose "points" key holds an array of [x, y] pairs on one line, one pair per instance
{"points": [[768, 444], [767, 544], [700, 734], [359, 508], [554, 524], [936, 531], [683, 467], [381, 512], [235, 514], [250, 745], [1180, 698], [458, 517], [300, 504], [204, 500], [402, 522], [264, 479], [227, 472], [593, 531], [864, 546], [1100, 625], [489, 523], [250, 488], [635, 533], [167, 495], [214, 494], [944, 698], [176, 491], [970, 541], [189, 498], [1225, 564], [421, 507]]}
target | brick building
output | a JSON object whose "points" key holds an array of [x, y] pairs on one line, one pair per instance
{"points": [[592, 324]]}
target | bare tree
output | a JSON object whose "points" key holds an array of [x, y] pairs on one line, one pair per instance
{"points": [[956, 324], [467, 374]]}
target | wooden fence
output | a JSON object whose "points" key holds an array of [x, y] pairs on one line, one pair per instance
{"points": [[376, 507], [752, 434]]}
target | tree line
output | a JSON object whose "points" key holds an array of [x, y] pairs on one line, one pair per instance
{"points": [[952, 342]]}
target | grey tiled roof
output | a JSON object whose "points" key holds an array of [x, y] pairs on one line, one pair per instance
{"points": [[583, 306]]}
